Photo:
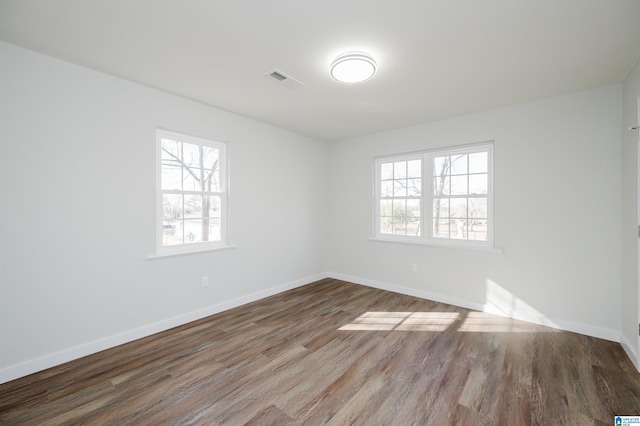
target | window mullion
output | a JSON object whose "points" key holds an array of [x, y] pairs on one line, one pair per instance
{"points": [[376, 196], [427, 198]]}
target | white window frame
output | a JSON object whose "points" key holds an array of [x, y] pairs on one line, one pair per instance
{"points": [[427, 196], [223, 193]]}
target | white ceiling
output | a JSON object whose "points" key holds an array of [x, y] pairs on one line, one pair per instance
{"points": [[436, 58]]}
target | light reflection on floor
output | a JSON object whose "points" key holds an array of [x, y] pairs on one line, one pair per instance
{"points": [[478, 322], [404, 321]]}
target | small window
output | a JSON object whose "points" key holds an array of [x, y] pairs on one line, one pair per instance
{"points": [[435, 197], [192, 193]]}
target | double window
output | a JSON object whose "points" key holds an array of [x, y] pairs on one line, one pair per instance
{"points": [[192, 193], [435, 197]]}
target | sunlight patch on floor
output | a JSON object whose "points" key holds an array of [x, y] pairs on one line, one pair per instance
{"points": [[469, 322], [403, 321]]}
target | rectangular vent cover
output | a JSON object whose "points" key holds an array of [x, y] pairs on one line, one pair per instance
{"points": [[277, 76], [280, 77]]}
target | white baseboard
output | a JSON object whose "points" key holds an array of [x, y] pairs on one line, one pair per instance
{"points": [[47, 361], [423, 294], [630, 350], [32, 366], [575, 327]]}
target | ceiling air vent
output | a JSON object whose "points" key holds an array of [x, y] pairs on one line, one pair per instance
{"points": [[280, 77]]}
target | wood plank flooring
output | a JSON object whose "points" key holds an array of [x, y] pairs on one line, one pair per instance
{"points": [[336, 353]]}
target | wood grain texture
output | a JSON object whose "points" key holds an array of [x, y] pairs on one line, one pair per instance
{"points": [[336, 353]]}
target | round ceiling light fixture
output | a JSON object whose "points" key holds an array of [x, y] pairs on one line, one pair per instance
{"points": [[353, 67]]}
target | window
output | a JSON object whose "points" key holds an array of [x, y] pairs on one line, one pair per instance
{"points": [[435, 197], [192, 193], [400, 196]]}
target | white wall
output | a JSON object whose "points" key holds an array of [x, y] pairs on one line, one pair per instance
{"points": [[77, 200], [557, 214], [630, 220]]}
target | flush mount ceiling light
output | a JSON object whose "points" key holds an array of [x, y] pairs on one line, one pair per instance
{"points": [[353, 67]]}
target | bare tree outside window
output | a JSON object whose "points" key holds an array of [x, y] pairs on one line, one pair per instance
{"points": [[191, 192], [400, 203], [441, 187], [460, 196], [447, 192]]}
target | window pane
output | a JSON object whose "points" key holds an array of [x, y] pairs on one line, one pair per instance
{"points": [[193, 231], [386, 208], [413, 219], [191, 155], [172, 206], [459, 185], [211, 181], [478, 162], [441, 166], [400, 225], [400, 169], [457, 229], [441, 186], [214, 230], [413, 208], [414, 169], [386, 188], [211, 207], [399, 207], [171, 232], [478, 208], [478, 230], [191, 182], [478, 184], [458, 208], [171, 177], [413, 226], [414, 187], [400, 188], [459, 164], [441, 209], [386, 171], [400, 217], [171, 151], [441, 228], [193, 206], [386, 225], [210, 160]]}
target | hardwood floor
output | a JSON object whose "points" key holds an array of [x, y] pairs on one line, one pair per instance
{"points": [[337, 353]]}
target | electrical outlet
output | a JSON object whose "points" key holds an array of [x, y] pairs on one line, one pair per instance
{"points": [[205, 281], [414, 267]]}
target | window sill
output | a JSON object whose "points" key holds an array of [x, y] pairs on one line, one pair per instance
{"points": [[188, 252], [434, 243]]}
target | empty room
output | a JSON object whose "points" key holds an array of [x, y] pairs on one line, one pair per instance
{"points": [[279, 212]]}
